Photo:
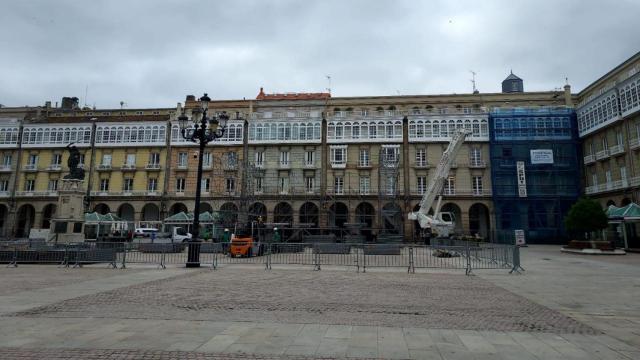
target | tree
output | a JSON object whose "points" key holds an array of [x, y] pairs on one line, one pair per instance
{"points": [[585, 216]]}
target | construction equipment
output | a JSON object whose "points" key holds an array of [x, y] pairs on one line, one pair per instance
{"points": [[440, 224]]}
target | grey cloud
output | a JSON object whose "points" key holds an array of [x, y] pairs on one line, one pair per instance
{"points": [[153, 53]]}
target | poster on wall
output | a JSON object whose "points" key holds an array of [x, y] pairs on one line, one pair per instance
{"points": [[519, 234], [542, 156], [522, 182]]}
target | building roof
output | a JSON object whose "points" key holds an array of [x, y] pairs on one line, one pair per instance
{"points": [[292, 96], [512, 77]]}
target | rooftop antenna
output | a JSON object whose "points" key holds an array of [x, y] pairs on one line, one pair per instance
{"points": [[329, 81], [86, 91], [473, 81], [122, 104]]}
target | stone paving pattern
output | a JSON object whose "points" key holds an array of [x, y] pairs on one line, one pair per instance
{"points": [[434, 301], [110, 354], [598, 295]]}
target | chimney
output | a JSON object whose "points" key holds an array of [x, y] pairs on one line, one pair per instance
{"points": [[567, 96]]}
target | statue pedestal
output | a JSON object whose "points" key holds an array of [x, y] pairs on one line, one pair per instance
{"points": [[68, 226]]}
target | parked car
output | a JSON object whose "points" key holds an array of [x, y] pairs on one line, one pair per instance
{"points": [[145, 232]]}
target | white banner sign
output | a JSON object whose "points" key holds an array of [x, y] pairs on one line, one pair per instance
{"points": [[522, 182], [542, 156], [519, 237]]}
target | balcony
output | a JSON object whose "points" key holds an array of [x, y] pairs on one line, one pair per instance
{"points": [[36, 193], [4, 194], [54, 167], [126, 193], [182, 167], [309, 165], [30, 167], [128, 167], [284, 165], [477, 164], [591, 190], [338, 165], [6, 168], [635, 181], [634, 144], [602, 154], [104, 167], [421, 165], [616, 149], [589, 159], [153, 167]]}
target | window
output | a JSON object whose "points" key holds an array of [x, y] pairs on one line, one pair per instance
{"points": [[338, 156], [309, 184], [422, 184], [154, 158], [230, 185], [283, 185], [476, 185], [6, 160], [391, 186], [309, 157], [365, 185], [421, 157], [127, 185], [259, 155], [29, 185], [507, 152], [104, 185], [619, 139], [594, 179], [4, 185], [206, 160], [284, 158], [364, 158], [338, 185], [259, 188], [390, 155], [623, 175], [450, 186], [232, 159], [56, 159], [607, 176], [33, 159], [131, 160], [476, 156], [53, 185], [205, 184], [182, 159], [106, 159], [180, 184], [605, 143]]}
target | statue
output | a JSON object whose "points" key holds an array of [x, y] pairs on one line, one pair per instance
{"points": [[75, 173]]}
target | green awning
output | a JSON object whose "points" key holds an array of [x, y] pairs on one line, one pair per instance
{"points": [[629, 212], [96, 218], [183, 218]]}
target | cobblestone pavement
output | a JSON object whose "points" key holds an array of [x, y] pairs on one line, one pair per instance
{"points": [[110, 354], [30, 277], [437, 301]]}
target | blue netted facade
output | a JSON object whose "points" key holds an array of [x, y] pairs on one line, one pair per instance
{"points": [[545, 141]]}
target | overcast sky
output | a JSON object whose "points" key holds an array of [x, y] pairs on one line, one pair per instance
{"points": [[152, 53]]}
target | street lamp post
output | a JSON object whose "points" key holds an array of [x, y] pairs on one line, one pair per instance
{"points": [[202, 129]]}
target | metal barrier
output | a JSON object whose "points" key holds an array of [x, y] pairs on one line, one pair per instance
{"points": [[443, 254]]}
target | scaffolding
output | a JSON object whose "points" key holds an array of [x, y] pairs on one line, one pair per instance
{"points": [[391, 221]]}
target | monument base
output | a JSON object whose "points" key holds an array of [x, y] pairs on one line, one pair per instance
{"points": [[68, 226]]}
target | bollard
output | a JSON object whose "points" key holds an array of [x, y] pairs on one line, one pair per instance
{"points": [[124, 257], [516, 261], [14, 260], [316, 257], [412, 268], [162, 256], [468, 255]]}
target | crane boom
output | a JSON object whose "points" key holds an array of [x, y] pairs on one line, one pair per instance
{"points": [[438, 223], [442, 170]]}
